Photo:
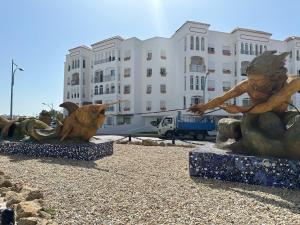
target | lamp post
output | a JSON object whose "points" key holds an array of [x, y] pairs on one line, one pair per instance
{"points": [[14, 68], [204, 86]]}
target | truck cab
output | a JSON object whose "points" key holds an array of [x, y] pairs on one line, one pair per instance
{"points": [[167, 126]]}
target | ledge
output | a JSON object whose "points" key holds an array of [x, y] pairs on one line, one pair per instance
{"points": [[76, 151], [212, 163]]}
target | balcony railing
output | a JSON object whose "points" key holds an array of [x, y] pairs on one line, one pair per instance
{"points": [[211, 70], [163, 108], [197, 68], [127, 58], [163, 57], [75, 82], [211, 89], [126, 109], [148, 108]]}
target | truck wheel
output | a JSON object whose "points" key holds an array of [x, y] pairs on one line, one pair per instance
{"points": [[169, 134]]}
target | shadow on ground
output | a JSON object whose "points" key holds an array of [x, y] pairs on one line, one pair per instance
{"points": [[288, 198]]}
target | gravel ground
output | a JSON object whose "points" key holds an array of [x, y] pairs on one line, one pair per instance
{"points": [[148, 185]]}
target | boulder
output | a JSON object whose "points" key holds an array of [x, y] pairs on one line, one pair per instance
{"points": [[4, 182], [34, 194], [28, 209], [12, 197], [228, 128], [28, 221]]}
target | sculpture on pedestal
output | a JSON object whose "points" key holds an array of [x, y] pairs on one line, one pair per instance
{"points": [[267, 127], [80, 125]]}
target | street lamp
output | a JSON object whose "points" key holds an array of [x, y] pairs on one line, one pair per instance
{"points": [[13, 71], [204, 86]]}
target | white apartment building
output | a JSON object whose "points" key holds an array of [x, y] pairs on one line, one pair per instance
{"points": [[159, 74]]}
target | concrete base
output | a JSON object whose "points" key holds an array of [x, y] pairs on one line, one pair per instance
{"points": [[77, 151], [213, 163]]}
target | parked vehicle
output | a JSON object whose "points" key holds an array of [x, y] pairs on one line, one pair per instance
{"points": [[186, 125]]}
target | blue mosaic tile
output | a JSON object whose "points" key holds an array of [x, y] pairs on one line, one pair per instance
{"points": [[223, 165], [76, 151]]}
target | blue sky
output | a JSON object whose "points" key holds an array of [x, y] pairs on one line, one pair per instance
{"points": [[38, 33]]}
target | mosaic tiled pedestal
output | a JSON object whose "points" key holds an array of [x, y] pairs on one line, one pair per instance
{"points": [[219, 164], [77, 151]]}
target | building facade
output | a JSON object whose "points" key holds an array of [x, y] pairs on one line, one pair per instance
{"points": [[160, 74]]}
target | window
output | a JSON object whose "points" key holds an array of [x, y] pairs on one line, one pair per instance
{"points": [[211, 85], [75, 79], [112, 88], [246, 102], [126, 106], [69, 68], [163, 89], [149, 89], [291, 54], [211, 49], [226, 85], [202, 44], [226, 68], [163, 72], [184, 102], [83, 63], [191, 82], [265, 48], [246, 49], [107, 89], [197, 83], [197, 64], [163, 54], [185, 43], [148, 106], [184, 64], [96, 90], [244, 65], [123, 120], [242, 48], [260, 49], [196, 100], [127, 89], [127, 72], [298, 56], [149, 72], [68, 81], [127, 54], [251, 49], [256, 49], [298, 72], [192, 43], [211, 67], [226, 50], [101, 90], [197, 43], [202, 83], [68, 95], [163, 106], [185, 83], [149, 55]]}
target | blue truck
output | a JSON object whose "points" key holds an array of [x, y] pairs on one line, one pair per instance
{"points": [[197, 127]]}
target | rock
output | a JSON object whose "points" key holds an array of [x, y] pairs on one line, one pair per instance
{"points": [[45, 215], [28, 221], [35, 194], [17, 187], [3, 190], [12, 197], [228, 128], [1, 173], [5, 183], [28, 209]]}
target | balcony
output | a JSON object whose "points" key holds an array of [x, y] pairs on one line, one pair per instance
{"points": [[197, 68], [75, 82], [127, 58], [211, 70], [163, 108], [211, 89], [163, 57], [226, 52], [148, 108], [298, 58], [126, 109]]}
